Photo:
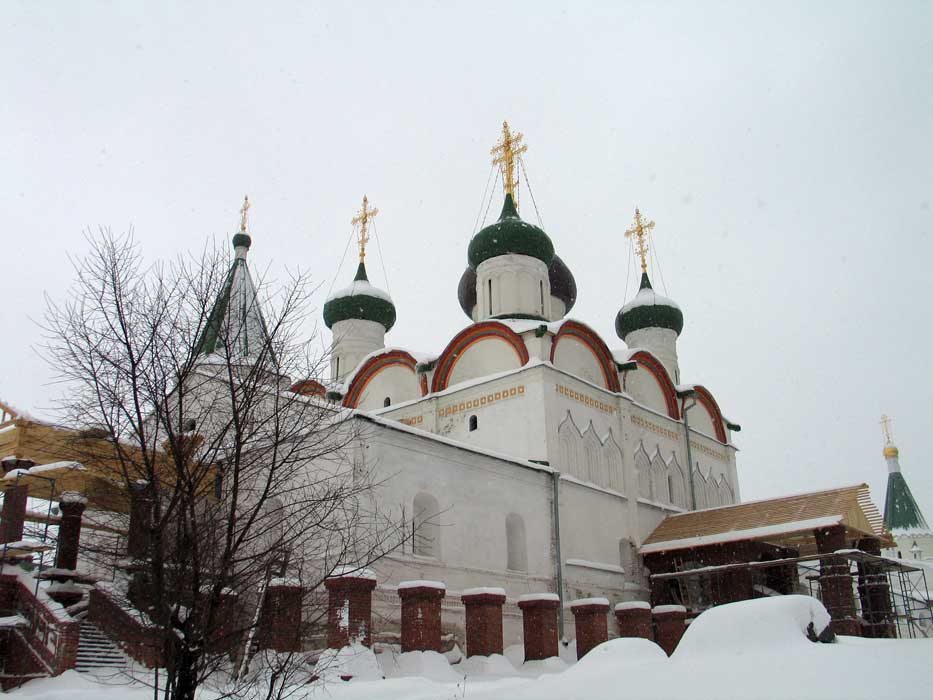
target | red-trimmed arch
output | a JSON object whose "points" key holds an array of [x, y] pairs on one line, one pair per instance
{"points": [[595, 344], [465, 338], [705, 398], [308, 387], [653, 365], [371, 368]]}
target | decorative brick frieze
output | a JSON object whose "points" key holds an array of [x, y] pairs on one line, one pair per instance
{"points": [[634, 618], [349, 609], [590, 619], [483, 608], [421, 615], [539, 625], [670, 625]]}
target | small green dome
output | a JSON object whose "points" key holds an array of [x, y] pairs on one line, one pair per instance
{"points": [[648, 310], [242, 240], [361, 301], [510, 235]]}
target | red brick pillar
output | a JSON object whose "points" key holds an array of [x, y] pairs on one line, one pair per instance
{"points": [[874, 593], [670, 625], [137, 539], [421, 614], [72, 505], [15, 494], [591, 623], [836, 581], [634, 618], [539, 624], [350, 608], [483, 620], [280, 621], [224, 635]]}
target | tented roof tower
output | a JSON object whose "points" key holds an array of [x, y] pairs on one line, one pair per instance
{"points": [[235, 324], [901, 513]]}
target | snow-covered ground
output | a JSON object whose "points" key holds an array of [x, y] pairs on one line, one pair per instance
{"points": [[753, 649]]}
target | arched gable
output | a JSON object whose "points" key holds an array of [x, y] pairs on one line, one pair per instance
{"points": [[648, 362], [706, 400], [308, 387], [371, 369], [587, 338], [478, 332]]}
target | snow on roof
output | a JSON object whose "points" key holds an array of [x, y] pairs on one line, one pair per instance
{"points": [[401, 427], [360, 288], [634, 605], [737, 535], [648, 297], [421, 584], [40, 468], [530, 597]]}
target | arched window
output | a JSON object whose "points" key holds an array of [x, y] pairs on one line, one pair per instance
{"points": [[517, 551], [613, 457], [386, 402], [643, 466], [541, 287], [474, 423], [425, 528]]}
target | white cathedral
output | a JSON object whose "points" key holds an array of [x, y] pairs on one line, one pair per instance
{"points": [[527, 453]]}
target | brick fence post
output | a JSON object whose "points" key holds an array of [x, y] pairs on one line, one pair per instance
{"points": [[13, 517], [72, 505], [421, 614], [836, 581], [875, 593], [670, 624], [350, 608], [634, 618], [591, 623], [539, 624], [483, 620], [280, 620]]}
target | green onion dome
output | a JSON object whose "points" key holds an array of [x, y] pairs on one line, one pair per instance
{"points": [[648, 310], [361, 301], [242, 240], [563, 285], [510, 235], [466, 290]]}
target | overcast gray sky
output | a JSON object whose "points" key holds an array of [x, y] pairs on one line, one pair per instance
{"points": [[785, 151]]}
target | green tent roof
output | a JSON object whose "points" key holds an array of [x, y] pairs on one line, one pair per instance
{"points": [[901, 512]]}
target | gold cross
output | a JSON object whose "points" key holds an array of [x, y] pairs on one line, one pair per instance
{"points": [[886, 429], [362, 219], [504, 154], [640, 232], [244, 214]]}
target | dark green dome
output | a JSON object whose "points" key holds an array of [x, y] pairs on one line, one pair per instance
{"points": [[648, 310], [242, 239], [361, 301], [563, 285], [466, 290], [510, 235]]}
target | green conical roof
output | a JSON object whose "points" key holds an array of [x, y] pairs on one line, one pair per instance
{"points": [[901, 512], [237, 314]]}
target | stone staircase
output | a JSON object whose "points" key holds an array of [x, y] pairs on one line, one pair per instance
{"points": [[97, 652]]}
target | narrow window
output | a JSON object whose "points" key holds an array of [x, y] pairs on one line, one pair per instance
{"points": [[541, 289], [337, 372], [386, 402], [490, 296], [473, 423], [670, 487]]}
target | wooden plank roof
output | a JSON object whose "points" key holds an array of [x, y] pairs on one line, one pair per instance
{"points": [[787, 521]]}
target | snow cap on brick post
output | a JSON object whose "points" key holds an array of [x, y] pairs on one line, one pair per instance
{"points": [[590, 622], [634, 618], [72, 505], [349, 606], [15, 495], [670, 625], [539, 624], [280, 621], [483, 620], [421, 614]]}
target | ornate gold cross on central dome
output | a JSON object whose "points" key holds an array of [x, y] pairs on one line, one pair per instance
{"points": [[504, 154], [886, 429], [244, 214], [362, 219], [640, 232]]}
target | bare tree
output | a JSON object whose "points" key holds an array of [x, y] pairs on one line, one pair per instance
{"points": [[237, 479]]}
